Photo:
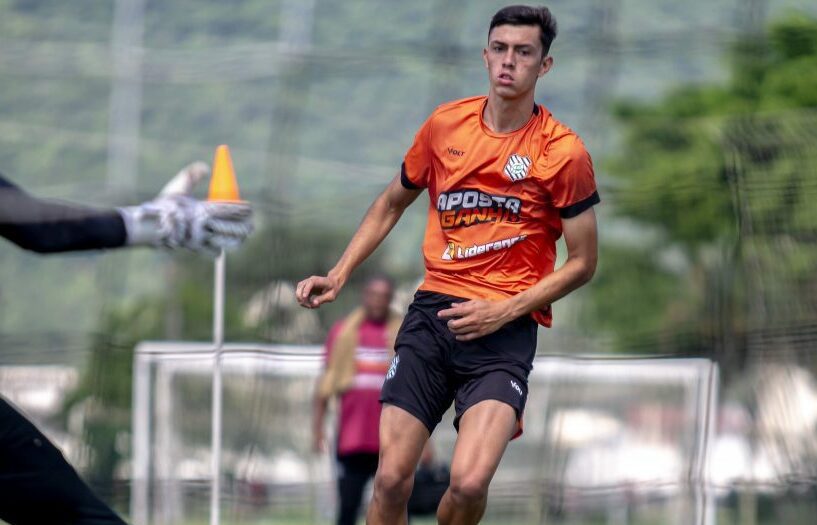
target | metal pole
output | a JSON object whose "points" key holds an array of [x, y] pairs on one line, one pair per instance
{"points": [[125, 104], [215, 425], [141, 441]]}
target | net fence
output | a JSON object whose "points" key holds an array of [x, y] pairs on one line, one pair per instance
{"points": [[602, 437], [700, 117]]}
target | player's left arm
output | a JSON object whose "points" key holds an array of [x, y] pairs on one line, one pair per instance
{"points": [[472, 319]]}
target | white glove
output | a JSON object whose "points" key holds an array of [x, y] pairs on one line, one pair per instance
{"points": [[176, 220]]}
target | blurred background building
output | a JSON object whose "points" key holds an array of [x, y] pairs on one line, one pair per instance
{"points": [[701, 117]]}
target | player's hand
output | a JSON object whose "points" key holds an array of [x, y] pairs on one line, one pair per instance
{"points": [[207, 227], [176, 220], [470, 320], [316, 290]]}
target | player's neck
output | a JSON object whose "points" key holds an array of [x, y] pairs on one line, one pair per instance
{"points": [[503, 115]]}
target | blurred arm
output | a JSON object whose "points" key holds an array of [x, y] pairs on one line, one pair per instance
{"points": [[320, 402], [319, 408], [50, 227]]}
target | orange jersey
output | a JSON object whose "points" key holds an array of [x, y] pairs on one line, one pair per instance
{"points": [[496, 199]]}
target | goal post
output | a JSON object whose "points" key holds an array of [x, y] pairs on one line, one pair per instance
{"points": [[602, 436]]}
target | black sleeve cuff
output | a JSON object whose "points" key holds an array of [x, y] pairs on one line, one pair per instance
{"points": [[404, 180], [579, 207]]}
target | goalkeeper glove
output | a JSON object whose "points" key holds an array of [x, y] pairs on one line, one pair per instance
{"points": [[176, 220]]}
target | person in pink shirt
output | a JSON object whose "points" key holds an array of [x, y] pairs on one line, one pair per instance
{"points": [[359, 349]]}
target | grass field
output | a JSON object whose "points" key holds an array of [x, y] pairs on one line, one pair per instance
{"points": [[797, 515]]}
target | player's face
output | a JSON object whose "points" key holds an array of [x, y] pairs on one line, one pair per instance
{"points": [[515, 60], [377, 298]]}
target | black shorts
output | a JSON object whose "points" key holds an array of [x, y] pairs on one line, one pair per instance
{"points": [[431, 369]]}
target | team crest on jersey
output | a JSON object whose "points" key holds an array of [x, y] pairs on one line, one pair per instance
{"points": [[517, 167]]}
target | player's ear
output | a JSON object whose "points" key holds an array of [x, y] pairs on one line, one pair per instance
{"points": [[547, 63], [485, 56]]}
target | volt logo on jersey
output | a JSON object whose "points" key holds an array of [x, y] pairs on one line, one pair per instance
{"points": [[517, 167], [455, 152]]}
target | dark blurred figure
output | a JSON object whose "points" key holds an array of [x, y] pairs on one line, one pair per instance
{"points": [[431, 480]]}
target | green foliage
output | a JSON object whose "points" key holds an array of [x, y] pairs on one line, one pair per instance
{"points": [[795, 37], [104, 390], [645, 281], [713, 167], [675, 175]]}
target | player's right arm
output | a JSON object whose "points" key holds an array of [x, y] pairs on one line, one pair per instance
{"points": [[380, 218]]}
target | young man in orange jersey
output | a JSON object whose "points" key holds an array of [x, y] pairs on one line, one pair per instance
{"points": [[505, 180]]}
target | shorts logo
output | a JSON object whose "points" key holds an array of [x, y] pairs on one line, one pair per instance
{"points": [[393, 367], [517, 167], [454, 252], [516, 387]]}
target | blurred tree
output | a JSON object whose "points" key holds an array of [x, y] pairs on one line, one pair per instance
{"points": [[723, 173], [103, 395]]}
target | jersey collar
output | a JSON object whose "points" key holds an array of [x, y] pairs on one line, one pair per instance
{"points": [[537, 113]]}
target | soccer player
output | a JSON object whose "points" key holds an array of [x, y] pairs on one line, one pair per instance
{"points": [[505, 181], [37, 485]]}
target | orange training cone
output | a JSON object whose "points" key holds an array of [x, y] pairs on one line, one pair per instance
{"points": [[223, 185]]}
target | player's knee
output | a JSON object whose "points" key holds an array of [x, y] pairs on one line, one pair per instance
{"points": [[469, 488], [393, 484]]}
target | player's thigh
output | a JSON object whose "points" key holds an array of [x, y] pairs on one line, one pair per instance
{"points": [[402, 439], [484, 432]]}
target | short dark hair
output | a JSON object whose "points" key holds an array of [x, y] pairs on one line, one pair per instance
{"points": [[526, 15]]}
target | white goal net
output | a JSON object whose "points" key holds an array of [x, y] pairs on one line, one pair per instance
{"points": [[615, 440]]}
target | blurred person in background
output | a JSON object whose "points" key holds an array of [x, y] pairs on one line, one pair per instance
{"points": [[37, 485], [357, 354], [506, 180], [431, 480]]}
